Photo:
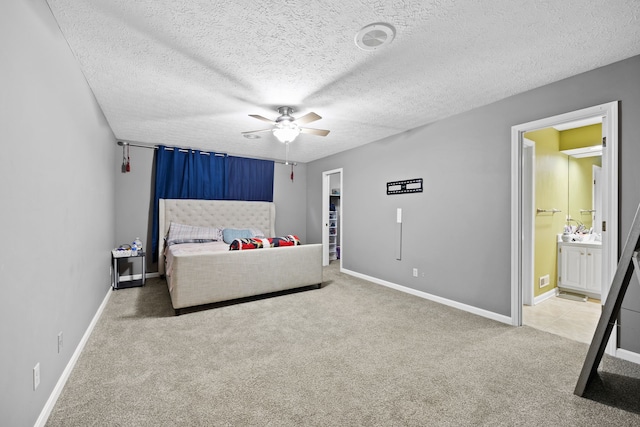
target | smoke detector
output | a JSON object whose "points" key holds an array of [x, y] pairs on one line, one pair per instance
{"points": [[375, 36]]}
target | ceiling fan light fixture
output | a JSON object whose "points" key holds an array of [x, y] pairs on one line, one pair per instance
{"points": [[286, 132], [286, 128]]}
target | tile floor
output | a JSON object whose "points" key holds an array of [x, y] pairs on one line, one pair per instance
{"points": [[576, 320]]}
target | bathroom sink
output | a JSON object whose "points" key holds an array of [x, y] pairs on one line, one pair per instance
{"points": [[592, 239]]}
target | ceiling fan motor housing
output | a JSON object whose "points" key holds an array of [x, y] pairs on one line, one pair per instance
{"points": [[285, 114]]}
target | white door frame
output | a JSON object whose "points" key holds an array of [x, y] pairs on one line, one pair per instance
{"points": [[326, 192], [528, 205], [596, 196], [520, 219]]}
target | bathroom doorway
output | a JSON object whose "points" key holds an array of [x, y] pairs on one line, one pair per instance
{"points": [[563, 195], [522, 227]]}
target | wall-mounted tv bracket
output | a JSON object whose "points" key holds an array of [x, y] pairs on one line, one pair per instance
{"points": [[406, 186]]}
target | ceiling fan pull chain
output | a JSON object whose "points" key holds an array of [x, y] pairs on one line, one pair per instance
{"points": [[286, 155]]}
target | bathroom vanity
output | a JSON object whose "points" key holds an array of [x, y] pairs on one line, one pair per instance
{"points": [[580, 267]]}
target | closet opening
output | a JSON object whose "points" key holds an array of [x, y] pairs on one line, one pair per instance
{"points": [[332, 202]]}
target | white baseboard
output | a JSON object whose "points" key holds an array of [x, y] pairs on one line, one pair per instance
{"points": [[549, 294], [53, 398], [445, 301], [627, 355]]}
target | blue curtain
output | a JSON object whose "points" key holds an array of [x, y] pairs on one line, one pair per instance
{"points": [[192, 174], [250, 179]]}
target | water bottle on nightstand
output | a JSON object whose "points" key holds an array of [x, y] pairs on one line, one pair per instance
{"points": [[136, 246]]}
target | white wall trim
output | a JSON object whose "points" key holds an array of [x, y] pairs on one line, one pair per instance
{"points": [[549, 294], [528, 205], [627, 355], [53, 398], [464, 307], [516, 227]]}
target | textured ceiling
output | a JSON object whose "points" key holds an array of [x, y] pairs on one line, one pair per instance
{"points": [[188, 73]]}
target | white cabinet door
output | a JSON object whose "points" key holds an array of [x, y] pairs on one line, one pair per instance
{"points": [[594, 270], [572, 273], [580, 268]]}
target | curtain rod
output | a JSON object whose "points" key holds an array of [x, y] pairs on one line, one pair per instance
{"points": [[184, 150], [155, 147]]}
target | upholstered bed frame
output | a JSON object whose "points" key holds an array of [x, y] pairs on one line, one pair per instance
{"points": [[209, 278]]}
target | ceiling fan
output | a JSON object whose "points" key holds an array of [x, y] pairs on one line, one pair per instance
{"points": [[286, 128]]}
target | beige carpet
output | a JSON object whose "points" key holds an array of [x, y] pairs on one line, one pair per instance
{"points": [[349, 354]]}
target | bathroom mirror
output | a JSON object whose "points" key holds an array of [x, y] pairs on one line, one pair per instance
{"points": [[583, 188], [582, 143]]}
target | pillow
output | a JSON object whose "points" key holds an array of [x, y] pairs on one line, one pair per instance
{"points": [[257, 243], [231, 234], [181, 233], [257, 233]]}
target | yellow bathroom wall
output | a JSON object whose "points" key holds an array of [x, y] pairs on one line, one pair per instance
{"points": [[551, 183], [586, 136]]}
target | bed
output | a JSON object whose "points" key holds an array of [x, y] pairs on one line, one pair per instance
{"points": [[202, 276]]}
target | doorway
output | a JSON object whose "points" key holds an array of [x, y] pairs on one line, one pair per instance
{"points": [[522, 217], [332, 211], [558, 295]]}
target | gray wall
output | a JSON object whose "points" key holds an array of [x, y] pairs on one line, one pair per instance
{"points": [[57, 206], [457, 232], [134, 204], [60, 164], [290, 198]]}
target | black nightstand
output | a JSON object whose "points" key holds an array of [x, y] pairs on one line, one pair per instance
{"points": [[116, 273]]}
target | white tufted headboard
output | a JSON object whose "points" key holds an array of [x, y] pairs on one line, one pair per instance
{"points": [[213, 213]]}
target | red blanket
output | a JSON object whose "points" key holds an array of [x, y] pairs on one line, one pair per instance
{"points": [[271, 242]]}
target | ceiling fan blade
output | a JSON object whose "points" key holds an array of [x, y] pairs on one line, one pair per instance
{"points": [[319, 132], [307, 118], [255, 131], [264, 119]]}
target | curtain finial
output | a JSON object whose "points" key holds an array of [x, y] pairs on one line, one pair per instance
{"points": [[126, 163]]}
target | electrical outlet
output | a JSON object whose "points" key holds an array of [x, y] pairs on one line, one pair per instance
{"points": [[36, 376], [415, 272], [60, 342]]}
